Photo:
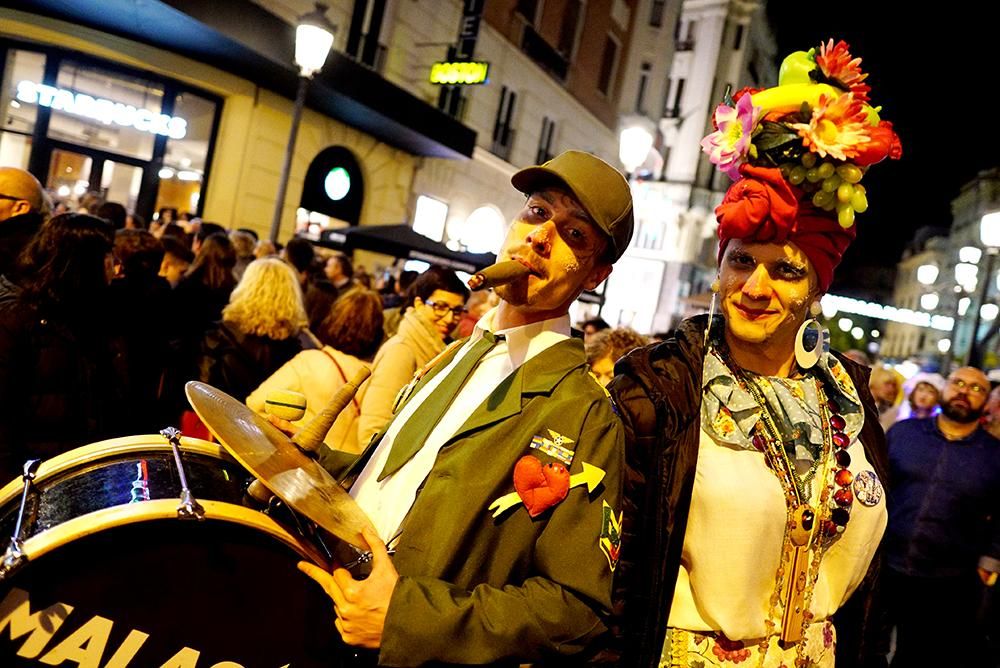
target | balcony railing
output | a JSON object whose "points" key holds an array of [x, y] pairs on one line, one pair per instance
{"points": [[685, 45]]}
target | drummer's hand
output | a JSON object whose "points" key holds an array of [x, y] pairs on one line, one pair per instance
{"points": [[282, 424], [361, 605]]}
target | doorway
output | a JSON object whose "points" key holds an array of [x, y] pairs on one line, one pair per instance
{"points": [[78, 175]]}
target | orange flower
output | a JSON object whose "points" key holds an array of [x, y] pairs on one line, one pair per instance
{"points": [[836, 63], [837, 127]]}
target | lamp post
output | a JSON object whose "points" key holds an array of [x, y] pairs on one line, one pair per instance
{"points": [[989, 234], [313, 39]]}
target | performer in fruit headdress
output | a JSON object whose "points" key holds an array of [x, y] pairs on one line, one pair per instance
{"points": [[756, 502]]}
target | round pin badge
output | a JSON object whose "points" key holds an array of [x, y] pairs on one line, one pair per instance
{"points": [[867, 488]]}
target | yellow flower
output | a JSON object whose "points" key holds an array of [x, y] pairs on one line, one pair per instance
{"points": [[837, 128]]}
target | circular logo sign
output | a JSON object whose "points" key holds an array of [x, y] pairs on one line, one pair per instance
{"points": [[337, 183]]}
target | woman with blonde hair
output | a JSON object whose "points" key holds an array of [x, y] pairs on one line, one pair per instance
{"points": [[350, 334], [258, 331]]}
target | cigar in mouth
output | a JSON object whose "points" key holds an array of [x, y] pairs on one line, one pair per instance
{"points": [[498, 274]]}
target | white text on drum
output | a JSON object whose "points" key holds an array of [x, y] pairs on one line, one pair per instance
{"points": [[86, 646]]}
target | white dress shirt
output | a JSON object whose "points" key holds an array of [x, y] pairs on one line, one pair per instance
{"points": [[387, 502]]}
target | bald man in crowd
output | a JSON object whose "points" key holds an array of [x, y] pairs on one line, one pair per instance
{"points": [[22, 209]]}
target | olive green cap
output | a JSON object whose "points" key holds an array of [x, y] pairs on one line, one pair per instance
{"points": [[599, 187]]}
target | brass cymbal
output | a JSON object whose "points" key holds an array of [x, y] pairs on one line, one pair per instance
{"points": [[272, 458]]}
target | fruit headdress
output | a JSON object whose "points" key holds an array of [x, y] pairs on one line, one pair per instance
{"points": [[798, 153]]}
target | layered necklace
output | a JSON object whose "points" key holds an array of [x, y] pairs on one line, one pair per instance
{"points": [[809, 530]]}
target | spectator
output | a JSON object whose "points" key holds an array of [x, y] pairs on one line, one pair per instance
{"points": [[608, 346], [143, 308], [437, 299], [21, 205], [923, 391], [251, 232], [299, 254], [265, 248], [243, 244], [593, 326], [886, 386], [114, 213], [134, 221], [203, 231], [943, 540], [991, 413], [177, 258], [61, 381], [339, 271], [350, 335], [258, 332]]}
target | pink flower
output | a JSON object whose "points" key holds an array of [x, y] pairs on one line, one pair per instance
{"points": [[728, 146]]}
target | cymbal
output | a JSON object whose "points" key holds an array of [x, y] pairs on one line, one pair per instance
{"points": [[272, 458]]}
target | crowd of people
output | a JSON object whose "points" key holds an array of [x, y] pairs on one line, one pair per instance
{"points": [[734, 493]]}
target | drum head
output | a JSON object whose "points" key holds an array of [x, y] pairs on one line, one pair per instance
{"points": [[167, 593]]}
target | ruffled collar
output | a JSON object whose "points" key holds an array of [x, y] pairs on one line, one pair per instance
{"points": [[730, 413]]}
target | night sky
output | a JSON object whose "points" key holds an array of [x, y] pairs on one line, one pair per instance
{"points": [[935, 74]]}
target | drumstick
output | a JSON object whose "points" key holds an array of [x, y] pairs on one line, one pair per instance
{"points": [[310, 438], [498, 274]]}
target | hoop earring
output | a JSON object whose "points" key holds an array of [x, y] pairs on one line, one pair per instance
{"points": [[811, 342]]}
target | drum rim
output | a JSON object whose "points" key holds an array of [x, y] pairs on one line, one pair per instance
{"points": [[94, 452], [162, 509]]}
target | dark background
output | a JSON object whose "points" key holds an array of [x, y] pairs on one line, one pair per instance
{"points": [[934, 67]]}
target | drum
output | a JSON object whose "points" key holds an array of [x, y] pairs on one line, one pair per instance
{"points": [[114, 578]]}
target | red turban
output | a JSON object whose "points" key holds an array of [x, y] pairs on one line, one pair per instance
{"points": [[763, 207]]}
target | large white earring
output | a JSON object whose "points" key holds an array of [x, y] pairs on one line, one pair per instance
{"points": [[812, 340]]}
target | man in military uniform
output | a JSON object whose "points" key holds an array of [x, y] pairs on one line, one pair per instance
{"points": [[498, 481]]}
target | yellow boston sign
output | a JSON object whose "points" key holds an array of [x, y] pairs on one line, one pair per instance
{"points": [[459, 73]]}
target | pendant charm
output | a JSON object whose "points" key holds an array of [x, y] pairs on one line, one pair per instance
{"points": [[803, 519], [867, 488]]}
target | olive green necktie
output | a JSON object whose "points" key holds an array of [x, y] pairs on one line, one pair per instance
{"points": [[411, 436]]}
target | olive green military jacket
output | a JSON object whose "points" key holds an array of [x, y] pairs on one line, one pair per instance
{"points": [[479, 589]]}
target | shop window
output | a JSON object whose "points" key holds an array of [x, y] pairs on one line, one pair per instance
{"points": [[18, 116], [106, 110], [183, 172]]}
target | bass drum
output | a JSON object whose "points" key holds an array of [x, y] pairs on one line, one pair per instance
{"points": [[113, 578]]}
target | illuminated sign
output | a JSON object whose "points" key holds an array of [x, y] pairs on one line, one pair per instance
{"points": [[337, 184], [99, 109], [465, 73], [834, 303]]}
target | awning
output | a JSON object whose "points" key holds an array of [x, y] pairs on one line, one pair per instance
{"points": [[243, 38], [402, 242]]}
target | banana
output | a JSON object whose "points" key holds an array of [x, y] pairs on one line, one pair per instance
{"points": [[789, 98]]}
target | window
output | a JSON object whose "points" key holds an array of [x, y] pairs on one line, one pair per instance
{"points": [[528, 9], [738, 37], [18, 117], [570, 23], [545, 141], [687, 44], [678, 96], [656, 13], [608, 65], [666, 98], [640, 98], [184, 161], [503, 132]]}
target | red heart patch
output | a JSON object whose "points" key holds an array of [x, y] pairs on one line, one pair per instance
{"points": [[540, 487]]}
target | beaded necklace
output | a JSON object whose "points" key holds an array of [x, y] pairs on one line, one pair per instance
{"points": [[805, 532]]}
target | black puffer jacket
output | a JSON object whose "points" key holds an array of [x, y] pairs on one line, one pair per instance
{"points": [[658, 393], [237, 363]]}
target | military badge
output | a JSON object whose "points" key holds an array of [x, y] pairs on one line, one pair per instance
{"points": [[611, 535], [867, 488], [539, 487], [553, 446]]}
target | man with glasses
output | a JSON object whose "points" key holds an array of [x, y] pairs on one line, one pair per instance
{"points": [[22, 205], [943, 539], [498, 481]]}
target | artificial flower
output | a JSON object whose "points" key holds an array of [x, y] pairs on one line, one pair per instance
{"points": [[728, 146], [883, 142], [835, 63], [838, 127]]}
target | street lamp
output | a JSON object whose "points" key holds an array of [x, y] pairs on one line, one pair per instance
{"points": [[989, 234], [633, 147], [313, 40]]}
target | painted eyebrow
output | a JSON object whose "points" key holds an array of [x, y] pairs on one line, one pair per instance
{"points": [[576, 213]]}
